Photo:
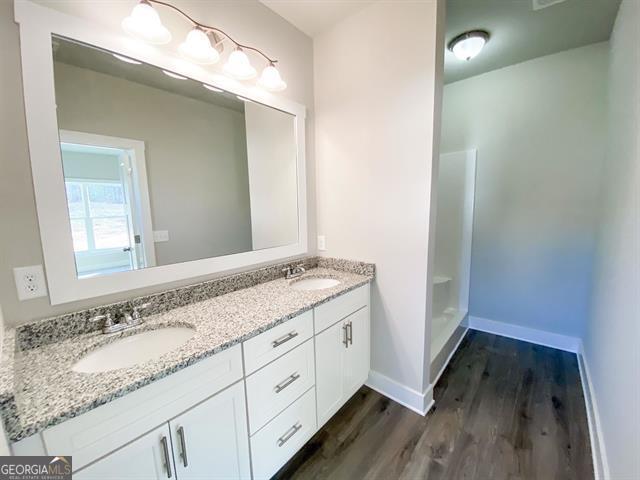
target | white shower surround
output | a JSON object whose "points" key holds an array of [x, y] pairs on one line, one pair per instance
{"points": [[454, 233]]}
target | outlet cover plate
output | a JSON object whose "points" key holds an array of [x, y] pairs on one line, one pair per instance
{"points": [[30, 282], [322, 243]]}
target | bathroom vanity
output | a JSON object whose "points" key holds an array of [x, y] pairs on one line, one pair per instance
{"points": [[266, 367]]}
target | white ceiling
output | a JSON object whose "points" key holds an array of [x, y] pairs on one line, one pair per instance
{"points": [[315, 16]]}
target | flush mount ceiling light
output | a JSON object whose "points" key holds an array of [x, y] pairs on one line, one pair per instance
{"points": [[469, 44], [145, 24]]}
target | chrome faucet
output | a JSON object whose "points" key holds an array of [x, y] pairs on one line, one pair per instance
{"points": [[293, 272], [127, 320]]}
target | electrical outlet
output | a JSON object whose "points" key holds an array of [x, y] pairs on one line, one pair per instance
{"points": [[322, 243], [30, 282]]}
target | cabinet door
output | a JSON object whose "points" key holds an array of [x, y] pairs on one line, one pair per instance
{"points": [[147, 458], [211, 439], [357, 359], [330, 358]]}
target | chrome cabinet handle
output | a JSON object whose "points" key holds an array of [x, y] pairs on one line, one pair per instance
{"points": [[165, 453], [290, 433], [279, 341], [183, 446], [286, 382], [350, 333], [345, 341]]}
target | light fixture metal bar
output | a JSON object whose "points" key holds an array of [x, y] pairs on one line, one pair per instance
{"points": [[213, 29]]}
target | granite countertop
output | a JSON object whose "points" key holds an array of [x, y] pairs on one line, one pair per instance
{"points": [[38, 387]]}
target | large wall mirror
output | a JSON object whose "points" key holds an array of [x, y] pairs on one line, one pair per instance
{"points": [[162, 169], [156, 174]]}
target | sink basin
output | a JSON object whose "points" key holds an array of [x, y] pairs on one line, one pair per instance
{"points": [[314, 283], [134, 349]]}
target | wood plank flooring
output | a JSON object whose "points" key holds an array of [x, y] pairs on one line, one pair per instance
{"points": [[505, 409]]}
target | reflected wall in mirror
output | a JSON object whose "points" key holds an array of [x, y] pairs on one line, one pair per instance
{"points": [[160, 169]]}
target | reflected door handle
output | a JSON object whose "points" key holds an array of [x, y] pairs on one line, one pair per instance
{"points": [[126, 249]]}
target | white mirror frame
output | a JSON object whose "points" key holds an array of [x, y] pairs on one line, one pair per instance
{"points": [[37, 25]]}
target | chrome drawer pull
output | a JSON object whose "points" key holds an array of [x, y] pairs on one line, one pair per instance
{"points": [[350, 332], [346, 335], [165, 454], [290, 433], [286, 382], [276, 343], [183, 446]]}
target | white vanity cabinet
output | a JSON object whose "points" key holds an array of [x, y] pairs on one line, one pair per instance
{"points": [[210, 440], [342, 362], [143, 458], [207, 441]]}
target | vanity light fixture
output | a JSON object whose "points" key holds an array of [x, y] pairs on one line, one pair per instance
{"points": [[468, 44], [197, 48], [213, 89], [145, 24], [271, 79], [173, 75], [126, 59], [238, 66]]}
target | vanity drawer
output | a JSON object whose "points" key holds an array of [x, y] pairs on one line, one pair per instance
{"points": [[266, 347], [108, 427], [273, 388], [281, 438], [340, 307]]}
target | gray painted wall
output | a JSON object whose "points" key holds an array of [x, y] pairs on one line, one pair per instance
{"points": [[539, 128], [612, 337]]}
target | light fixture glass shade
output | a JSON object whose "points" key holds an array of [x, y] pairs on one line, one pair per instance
{"points": [[197, 48], [144, 23], [271, 79], [238, 66], [468, 45]]}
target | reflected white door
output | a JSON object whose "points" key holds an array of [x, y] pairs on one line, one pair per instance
{"points": [[107, 199]]}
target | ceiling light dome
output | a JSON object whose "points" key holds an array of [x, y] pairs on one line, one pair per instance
{"points": [[238, 65], [144, 23], [271, 79], [469, 44], [197, 48]]}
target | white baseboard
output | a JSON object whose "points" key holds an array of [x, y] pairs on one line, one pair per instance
{"points": [[418, 402], [531, 335], [598, 450], [453, 351]]}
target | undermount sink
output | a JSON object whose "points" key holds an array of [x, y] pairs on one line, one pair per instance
{"points": [[314, 283], [134, 349]]}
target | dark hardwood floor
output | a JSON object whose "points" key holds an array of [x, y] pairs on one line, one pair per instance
{"points": [[505, 409]]}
